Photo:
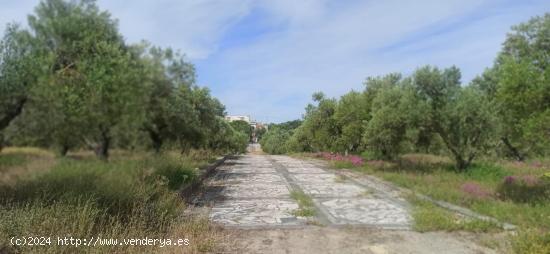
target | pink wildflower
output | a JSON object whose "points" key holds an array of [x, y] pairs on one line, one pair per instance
{"points": [[530, 180], [475, 190], [509, 179]]}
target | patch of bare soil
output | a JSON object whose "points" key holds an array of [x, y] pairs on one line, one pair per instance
{"points": [[355, 240]]}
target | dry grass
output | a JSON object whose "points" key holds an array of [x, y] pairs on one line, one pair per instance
{"points": [[21, 162], [132, 196]]}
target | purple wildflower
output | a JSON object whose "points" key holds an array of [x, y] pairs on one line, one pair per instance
{"points": [[475, 190], [510, 179]]}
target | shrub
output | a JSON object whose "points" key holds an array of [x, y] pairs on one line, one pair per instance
{"points": [[526, 189], [274, 141]]}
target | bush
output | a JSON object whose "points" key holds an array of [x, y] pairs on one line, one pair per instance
{"points": [[274, 141], [526, 189]]}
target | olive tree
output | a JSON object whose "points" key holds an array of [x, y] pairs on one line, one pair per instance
{"points": [[92, 74], [19, 72], [459, 115]]}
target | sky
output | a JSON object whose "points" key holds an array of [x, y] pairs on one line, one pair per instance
{"points": [[265, 58]]}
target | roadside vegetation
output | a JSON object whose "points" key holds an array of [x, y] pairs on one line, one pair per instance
{"points": [[97, 136], [305, 203], [483, 145], [133, 196]]}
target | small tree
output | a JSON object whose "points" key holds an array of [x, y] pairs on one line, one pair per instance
{"points": [[350, 115], [466, 126], [460, 116]]}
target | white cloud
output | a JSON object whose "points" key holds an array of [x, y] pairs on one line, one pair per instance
{"points": [[194, 26], [335, 49], [312, 45]]}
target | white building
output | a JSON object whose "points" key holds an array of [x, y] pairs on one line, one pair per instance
{"points": [[237, 118]]}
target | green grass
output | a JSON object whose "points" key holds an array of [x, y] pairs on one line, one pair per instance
{"points": [[341, 164], [305, 203], [10, 160], [429, 217], [128, 197]]}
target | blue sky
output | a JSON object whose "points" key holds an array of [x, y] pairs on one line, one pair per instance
{"points": [[265, 58]]}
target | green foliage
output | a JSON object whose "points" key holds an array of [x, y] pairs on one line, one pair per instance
{"points": [[226, 139], [177, 110], [242, 126], [275, 141], [351, 112], [77, 84], [19, 71], [395, 115], [517, 86], [391, 116], [459, 115], [91, 86]]}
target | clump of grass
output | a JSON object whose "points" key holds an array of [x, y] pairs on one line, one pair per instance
{"points": [[10, 160], [339, 179], [305, 203], [175, 171], [429, 217], [531, 242]]}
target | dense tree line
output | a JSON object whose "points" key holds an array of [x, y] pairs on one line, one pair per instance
{"points": [[504, 112], [71, 81]]}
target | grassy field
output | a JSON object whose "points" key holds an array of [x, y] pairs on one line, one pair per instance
{"points": [[134, 195], [513, 192]]}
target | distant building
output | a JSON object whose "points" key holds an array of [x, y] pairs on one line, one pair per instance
{"points": [[238, 118]]}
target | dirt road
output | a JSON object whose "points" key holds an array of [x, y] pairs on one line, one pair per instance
{"points": [[253, 195]]}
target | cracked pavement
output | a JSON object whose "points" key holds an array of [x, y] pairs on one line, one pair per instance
{"points": [[254, 191]]}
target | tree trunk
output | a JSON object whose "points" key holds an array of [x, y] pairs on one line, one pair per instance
{"points": [[514, 151], [63, 150], [12, 112], [102, 148], [156, 139], [461, 164]]}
